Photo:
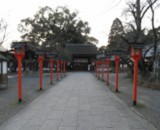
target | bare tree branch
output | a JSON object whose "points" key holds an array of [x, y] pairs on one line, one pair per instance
{"points": [[148, 8], [3, 29], [125, 40], [133, 28]]}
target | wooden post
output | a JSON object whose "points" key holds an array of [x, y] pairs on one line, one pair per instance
{"points": [[61, 68], [136, 55], [96, 68], [135, 82], [40, 59], [19, 78], [57, 63], [19, 53], [108, 65], [102, 70], [51, 70], [117, 60]]}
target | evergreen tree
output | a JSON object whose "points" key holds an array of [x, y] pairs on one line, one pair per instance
{"points": [[115, 40], [54, 27]]}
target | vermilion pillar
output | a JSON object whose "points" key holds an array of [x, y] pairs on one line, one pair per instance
{"points": [[135, 83], [40, 59], [65, 68], [102, 70], [64, 64], [108, 65], [96, 68], [19, 79], [19, 56], [61, 62], [99, 69], [57, 63], [117, 60], [51, 70], [136, 55]]}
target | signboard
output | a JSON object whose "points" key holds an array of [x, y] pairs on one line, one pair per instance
{"points": [[137, 45], [17, 45], [100, 56], [80, 60], [40, 52], [51, 54], [117, 52], [108, 55]]}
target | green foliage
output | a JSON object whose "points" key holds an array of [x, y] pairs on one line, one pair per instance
{"points": [[102, 48], [57, 27]]}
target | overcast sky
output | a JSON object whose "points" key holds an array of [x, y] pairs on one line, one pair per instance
{"points": [[99, 13]]}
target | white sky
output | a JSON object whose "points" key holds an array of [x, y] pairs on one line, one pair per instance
{"points": [[99, 13]]}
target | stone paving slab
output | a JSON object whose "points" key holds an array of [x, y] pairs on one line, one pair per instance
{"points": [[79, 102]]}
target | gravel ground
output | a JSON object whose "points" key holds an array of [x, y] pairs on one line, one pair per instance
{"points": [[8, 96], [148, 99]]}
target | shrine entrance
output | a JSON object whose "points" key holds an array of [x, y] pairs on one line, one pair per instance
{"points": [[83, 57]]}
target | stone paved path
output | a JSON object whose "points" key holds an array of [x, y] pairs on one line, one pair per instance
{"points": [[79, 102]]}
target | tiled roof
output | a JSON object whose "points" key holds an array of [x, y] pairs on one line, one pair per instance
{"points": [[31, 47], [2, 58], [81, 48], [27, 45], [151, 50]]}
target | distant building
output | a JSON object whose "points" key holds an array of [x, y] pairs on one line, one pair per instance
{"points": [[83, 56], [3, 67], [148, 52]]}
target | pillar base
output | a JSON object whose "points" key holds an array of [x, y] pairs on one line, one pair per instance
{"points": [[134, 103], [117, 90], [107, 83], [19, 100], [51, 82], [57, 79], [40, 89]]}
